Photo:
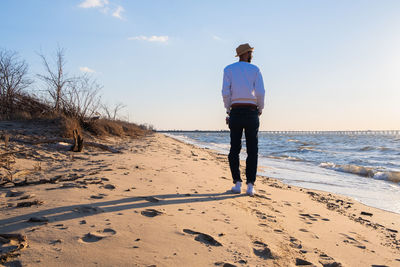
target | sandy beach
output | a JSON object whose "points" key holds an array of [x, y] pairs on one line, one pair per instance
{"points": [[165, 203]]}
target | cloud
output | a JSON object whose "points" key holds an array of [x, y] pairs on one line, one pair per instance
{"points": [[153, 38], [117, 12], [86, 69], [93, 3], [104, 6], [217, 38]]}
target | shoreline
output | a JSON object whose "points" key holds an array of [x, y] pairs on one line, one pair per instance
{"points": [[243, 162], [166, 203], [285, 169]]}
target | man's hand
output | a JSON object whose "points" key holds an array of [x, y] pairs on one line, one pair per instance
{"points": [[259, 113]]}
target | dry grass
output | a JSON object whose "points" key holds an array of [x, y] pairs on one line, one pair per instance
{"points": [[68, 125], [107, 127], [31, 109]]}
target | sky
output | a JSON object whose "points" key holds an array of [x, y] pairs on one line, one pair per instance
{"points": [[327, 64]]}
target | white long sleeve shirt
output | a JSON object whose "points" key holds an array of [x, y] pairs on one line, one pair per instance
{"points": [[243, 83]]}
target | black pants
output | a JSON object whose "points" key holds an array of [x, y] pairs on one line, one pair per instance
{"points": [[244, 118]]}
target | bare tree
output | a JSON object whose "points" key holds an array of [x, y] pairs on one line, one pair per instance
{"points": [[55, 77], [81, 98], [112, 113], [13, 79]]}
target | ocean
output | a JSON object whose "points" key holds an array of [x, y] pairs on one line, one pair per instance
{"points": [[363, 166]]}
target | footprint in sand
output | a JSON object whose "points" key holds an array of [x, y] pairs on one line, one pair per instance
{"points": [[203, 238], [109, 186], [99, 196], [224, 264], [295, 243], [261, 250], [10, 244], [87, 209], [350, 240], [98, 235], [301, 262]]}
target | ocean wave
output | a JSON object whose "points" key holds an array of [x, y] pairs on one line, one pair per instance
{"points": [[349, 168], [393, 176], [302, 142], [388, 176], [285, 158], [221, 145]]}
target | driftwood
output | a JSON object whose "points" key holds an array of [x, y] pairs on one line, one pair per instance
{"points": [[78, 142], [10, 153], [6, 140], [66, 140]]}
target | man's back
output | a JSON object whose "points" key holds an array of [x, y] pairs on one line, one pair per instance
{"points": [[243, 83]]}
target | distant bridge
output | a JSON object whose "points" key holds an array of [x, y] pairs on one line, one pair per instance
{"points": [[385, 132]]}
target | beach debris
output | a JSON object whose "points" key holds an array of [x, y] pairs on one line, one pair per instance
{"points": [[203, 238], [301, 262], [261, 250], [38, 219], [10, 244], [71, 185], [29, 203], [27, 196], [366, 213], [392, 230], [66, 140], [54, 180], [12, 193], [151, 212]]}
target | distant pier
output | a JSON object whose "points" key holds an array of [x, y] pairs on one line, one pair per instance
{"points": [[385, 132], [370, 132]]}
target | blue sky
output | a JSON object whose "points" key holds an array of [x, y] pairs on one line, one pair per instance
{"points": [[327, 65]]}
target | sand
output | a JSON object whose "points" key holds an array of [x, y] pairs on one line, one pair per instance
{"points": [[165, 203]]}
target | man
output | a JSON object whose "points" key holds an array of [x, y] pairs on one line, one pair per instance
{"points": [[243, 93]]}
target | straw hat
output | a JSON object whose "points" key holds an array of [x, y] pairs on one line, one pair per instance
{"points": [[243, 48]]}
